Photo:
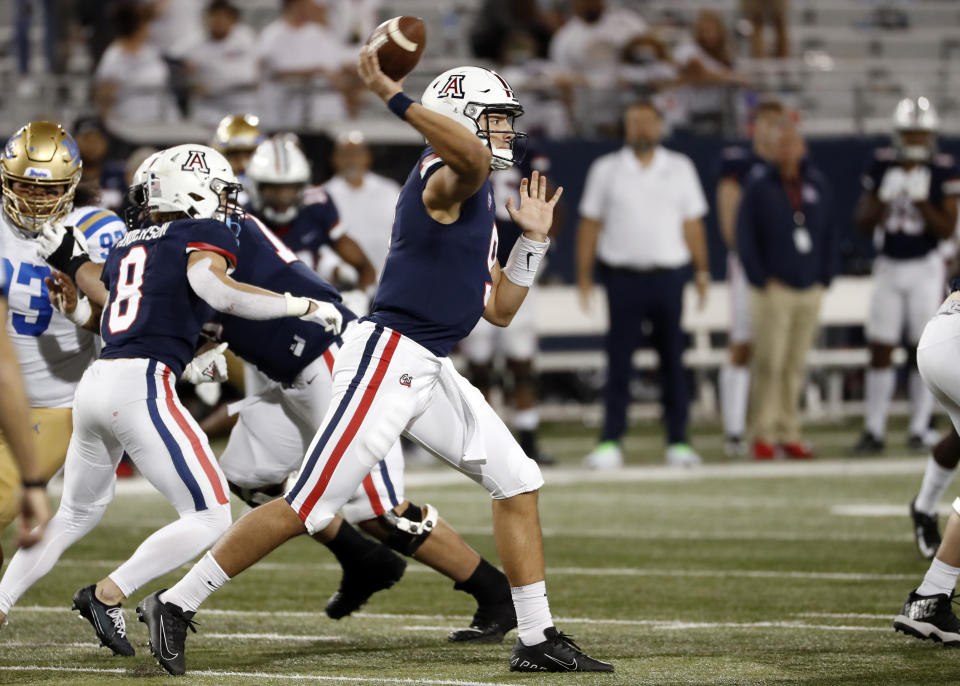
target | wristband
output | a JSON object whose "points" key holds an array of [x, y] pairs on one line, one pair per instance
{"points": [[81, 313], [73, 266], [525, 258], [296, 306], [33, 484], [399, 104]]}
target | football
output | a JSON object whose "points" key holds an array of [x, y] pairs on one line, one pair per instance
{"points": [[399, 43]]}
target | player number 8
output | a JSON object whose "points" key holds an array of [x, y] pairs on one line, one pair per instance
{"points": [[126, 306]]}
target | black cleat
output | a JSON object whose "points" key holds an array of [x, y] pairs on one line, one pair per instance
{"points": [[490, 624], [556, 654], [380, 569], [917, 443], [926, 531], [929, 616], [107, 620], [868, 445], [167, 625]]}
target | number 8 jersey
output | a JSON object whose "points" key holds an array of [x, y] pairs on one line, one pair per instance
{"points": [[53, 353], [152, 311]]}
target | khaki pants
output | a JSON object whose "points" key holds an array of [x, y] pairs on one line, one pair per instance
{"points": [[785, 322], [52, 428]]}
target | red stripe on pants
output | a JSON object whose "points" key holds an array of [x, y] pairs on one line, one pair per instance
{"points": [[352, 427], [195, 443], [372, 495]]}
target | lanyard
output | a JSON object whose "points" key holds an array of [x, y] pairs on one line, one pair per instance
{"points": [[794, 189]]}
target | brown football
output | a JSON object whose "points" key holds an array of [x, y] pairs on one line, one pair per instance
{"points": [[399, 43]]}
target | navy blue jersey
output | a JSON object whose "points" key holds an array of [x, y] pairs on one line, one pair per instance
{"points": [[905, 232], [436, 279], [280, 348], [315, 225], [506, 183], [152, 311], [736, 162]]}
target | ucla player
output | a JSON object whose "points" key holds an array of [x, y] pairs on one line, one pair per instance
{"points": [[163, 280], [236, 138], [40, 168], [392, 374], [518, 341], [910, 201], [736, 163]]}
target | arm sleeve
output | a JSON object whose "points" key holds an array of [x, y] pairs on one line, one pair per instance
{"points": [[748, 249], [593, 202], [224, 298]]}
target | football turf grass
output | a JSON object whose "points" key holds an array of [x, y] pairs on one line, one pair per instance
{"points": [[737, 574]]}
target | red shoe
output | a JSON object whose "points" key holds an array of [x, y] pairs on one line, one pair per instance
{"points": [[763, 451], [798, 450], [125, 469]]}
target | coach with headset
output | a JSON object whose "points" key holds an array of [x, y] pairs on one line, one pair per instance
{"points": [[641, 218]]}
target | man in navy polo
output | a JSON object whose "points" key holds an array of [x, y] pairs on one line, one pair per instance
{"points": [[788, 246]]}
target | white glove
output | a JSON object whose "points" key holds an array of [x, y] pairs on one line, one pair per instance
{"points": [[53, 236], [326, 315], [356, 301], [206, 367], [894, 182], [918, 183]]}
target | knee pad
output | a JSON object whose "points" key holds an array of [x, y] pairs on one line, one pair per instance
{"points": [[406, 532], [254, 497]]}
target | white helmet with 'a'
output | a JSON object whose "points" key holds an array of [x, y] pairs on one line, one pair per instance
{"points": [[915, 114], [465, 94], [279, 161], [193, 179]]}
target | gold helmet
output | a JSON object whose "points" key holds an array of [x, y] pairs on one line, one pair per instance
{"points": [[43, 155], [237, 132]]}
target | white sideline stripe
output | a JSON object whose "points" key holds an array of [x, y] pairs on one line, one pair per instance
{"points": [[575, 476], [679, 626], [264, 675], [843, 615], [878, 510], [588, 571], [274, 637]]}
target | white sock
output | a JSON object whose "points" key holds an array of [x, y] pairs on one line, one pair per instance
{"points": [[171, 546], [526, 420], [734, 393], [879, 389], [204, 578], [936, 479], [533, 612], [921, 399], [941, 578]]}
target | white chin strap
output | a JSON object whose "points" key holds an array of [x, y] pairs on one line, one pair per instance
{"points": [[502, 159], [284, 217]]}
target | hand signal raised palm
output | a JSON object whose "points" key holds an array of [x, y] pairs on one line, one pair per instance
{"points": [[535, 213]]}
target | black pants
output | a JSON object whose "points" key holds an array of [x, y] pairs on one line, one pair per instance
{"points": [[656, 297]]}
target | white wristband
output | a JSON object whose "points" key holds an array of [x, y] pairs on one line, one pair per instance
{"points": [[296, 306], [81, 313], [525, 258]]}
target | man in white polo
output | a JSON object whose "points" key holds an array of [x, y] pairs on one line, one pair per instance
{"points": [[641, 220]]}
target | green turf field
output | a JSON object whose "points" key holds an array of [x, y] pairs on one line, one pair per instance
{"points": [[734, 574]]}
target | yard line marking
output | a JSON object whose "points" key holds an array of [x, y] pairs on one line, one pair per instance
{"points": [[878, 510], [50, 644], [569, 476], [264, 675], [679, 625], [843, 615], [591, 571], [273, 637], [686, 535]]}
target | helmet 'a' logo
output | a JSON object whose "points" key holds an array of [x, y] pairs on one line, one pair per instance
{"points": [[453, 87], [196, 161]]}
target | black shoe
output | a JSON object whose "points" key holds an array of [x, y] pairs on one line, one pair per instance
{"points": [[929, 616], [556, 654], [167, 625], [490, 624], [916, 443], [735, 446], [867, 445], [926, 531], [107, 620], [378, 570]]}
